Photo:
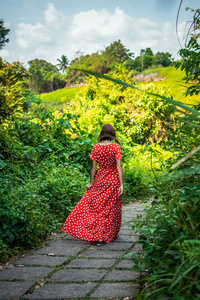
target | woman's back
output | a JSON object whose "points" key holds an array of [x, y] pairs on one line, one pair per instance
{"points": [[106, 155]]}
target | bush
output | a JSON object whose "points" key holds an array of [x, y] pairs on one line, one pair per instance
{"points": [[40, 166], [170, 234], [133, 187], [12, 79], [34, 207], [137, 117]]}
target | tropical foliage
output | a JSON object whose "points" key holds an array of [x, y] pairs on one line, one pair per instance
{"points": [[53, 148], [138, 118], [44, 157], [3, 34], [44, 77], [116, 53], [170, 231], [12, 78], [63, 63]]}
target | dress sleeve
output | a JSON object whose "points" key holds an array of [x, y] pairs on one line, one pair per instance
{"points": [[118, 153], [93, 155]]}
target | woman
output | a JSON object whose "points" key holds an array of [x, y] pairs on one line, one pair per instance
{"points": [[97, 216]]}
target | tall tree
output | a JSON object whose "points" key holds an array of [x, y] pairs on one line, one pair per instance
{"points": [[12, 81], [63, 63], [148, 51], [147, 57], [147, 61], [163, 58], [117, 53], [41, 79], [3, 33], [142, 53]]}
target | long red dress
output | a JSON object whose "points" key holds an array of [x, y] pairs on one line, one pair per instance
{"points": [[97, 216]]}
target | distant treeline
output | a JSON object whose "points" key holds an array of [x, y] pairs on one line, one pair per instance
{"points": [[46, 77]]}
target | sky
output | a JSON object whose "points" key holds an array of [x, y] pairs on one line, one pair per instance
{"points": [[47, 29]]}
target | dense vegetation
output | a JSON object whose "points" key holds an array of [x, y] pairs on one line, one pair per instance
{"points": [[44, 162], [40, 145], [45, 77], [170, 231]]}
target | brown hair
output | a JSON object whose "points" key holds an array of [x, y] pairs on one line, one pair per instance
{"points": [[108, 133]]}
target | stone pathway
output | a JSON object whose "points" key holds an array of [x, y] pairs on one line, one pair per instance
{"points": [[68, 268]]}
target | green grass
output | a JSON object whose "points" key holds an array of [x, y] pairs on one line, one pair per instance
{"points": [[175, 81], [59, 98]]}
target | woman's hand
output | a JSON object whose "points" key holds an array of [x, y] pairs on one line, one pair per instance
{"points": [[88, 186], [120, 191]]}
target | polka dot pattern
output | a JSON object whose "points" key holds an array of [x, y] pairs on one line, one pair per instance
{"points": [[97, 216]]}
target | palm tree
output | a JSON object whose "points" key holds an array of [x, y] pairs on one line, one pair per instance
{"points": [[63, 63]]}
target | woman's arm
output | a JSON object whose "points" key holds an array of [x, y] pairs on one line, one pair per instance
{"points": [[120, 172], [92, 174]]}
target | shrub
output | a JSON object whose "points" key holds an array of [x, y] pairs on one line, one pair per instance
{"points": [[33, 207], [137, 117], [170, 235]]}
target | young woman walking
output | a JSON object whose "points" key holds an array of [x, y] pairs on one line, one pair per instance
{"points": [[97, 216]]}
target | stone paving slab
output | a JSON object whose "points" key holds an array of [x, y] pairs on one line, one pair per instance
{"points": [[70, 243], [94, 264], [127, 219], [91, 263], [25, 273], [41, 260], [58, 234], [127, 238], [129, 214], [125, 232], [126, 227], [123, 239], [121, 275], [132, 216], [116, 246], [133, 213], [78, 275], [111, 290], [71, 238], [61, 291], [125, 263], [14, 290], [103, 253], [58, 250]]}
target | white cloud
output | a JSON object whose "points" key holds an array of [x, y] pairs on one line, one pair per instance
{"points": [[31, 36], [53, 18], [10, 55], [99, 23], [7, 25], [94, 30], [5, 53], [90, 31]]}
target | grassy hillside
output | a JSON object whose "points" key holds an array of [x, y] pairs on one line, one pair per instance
{"points": [[58, 98], [175, 81]]}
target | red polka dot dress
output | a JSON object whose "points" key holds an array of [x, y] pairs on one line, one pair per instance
{"points": [[97, 216]]}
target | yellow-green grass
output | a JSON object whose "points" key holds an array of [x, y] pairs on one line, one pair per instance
{"points": [[175, 81], [59, 98]]}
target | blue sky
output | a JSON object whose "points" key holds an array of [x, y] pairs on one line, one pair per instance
{"points": [[47, 29]]}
